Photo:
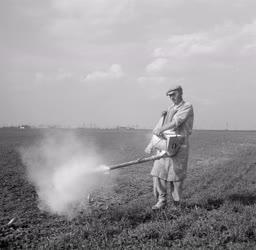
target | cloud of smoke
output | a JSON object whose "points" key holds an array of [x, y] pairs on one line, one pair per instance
{"points": [[63, 171]]}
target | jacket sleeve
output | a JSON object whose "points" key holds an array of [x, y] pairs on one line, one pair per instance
{"points": [[183, 114]]}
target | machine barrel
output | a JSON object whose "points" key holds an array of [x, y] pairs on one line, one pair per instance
{"points": [[138, 161]]}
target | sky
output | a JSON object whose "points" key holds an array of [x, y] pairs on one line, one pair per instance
{"points": [[110, 62]]}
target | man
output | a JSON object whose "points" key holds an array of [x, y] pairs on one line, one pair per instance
{"points": [[172, 170]]}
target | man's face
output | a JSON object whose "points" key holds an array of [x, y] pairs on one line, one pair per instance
{"points": [[176, 97]]}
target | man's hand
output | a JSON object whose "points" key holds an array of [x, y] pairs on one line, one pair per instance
{"points": [[157, 132], [164, 113]]}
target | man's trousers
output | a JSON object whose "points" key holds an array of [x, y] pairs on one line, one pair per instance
{"points": [[160, 187]]}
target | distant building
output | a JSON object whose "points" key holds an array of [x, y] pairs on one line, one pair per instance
{"points": [[24, 127]]}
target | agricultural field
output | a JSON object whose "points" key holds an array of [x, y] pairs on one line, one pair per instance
{"points": [[218, 211]]}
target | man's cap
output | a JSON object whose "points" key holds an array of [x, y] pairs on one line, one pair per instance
{"points": [[174, 88]]}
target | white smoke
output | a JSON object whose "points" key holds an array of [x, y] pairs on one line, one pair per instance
{"points": [[63, 172]]}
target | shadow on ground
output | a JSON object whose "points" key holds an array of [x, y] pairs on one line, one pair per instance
{"points": [[245, 199]]}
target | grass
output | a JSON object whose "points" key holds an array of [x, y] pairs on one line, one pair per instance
{"points": [[218, 212]]}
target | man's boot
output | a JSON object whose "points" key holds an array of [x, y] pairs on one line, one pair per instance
{"points": [[159, 205]]}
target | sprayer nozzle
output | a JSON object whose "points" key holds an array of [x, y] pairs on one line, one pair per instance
{"points": [[104, 168]]}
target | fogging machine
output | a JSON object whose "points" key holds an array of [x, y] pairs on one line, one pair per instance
{"points": [[166, 145]]}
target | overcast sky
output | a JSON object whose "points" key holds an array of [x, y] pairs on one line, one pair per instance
{"points": [[110, 62]]}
